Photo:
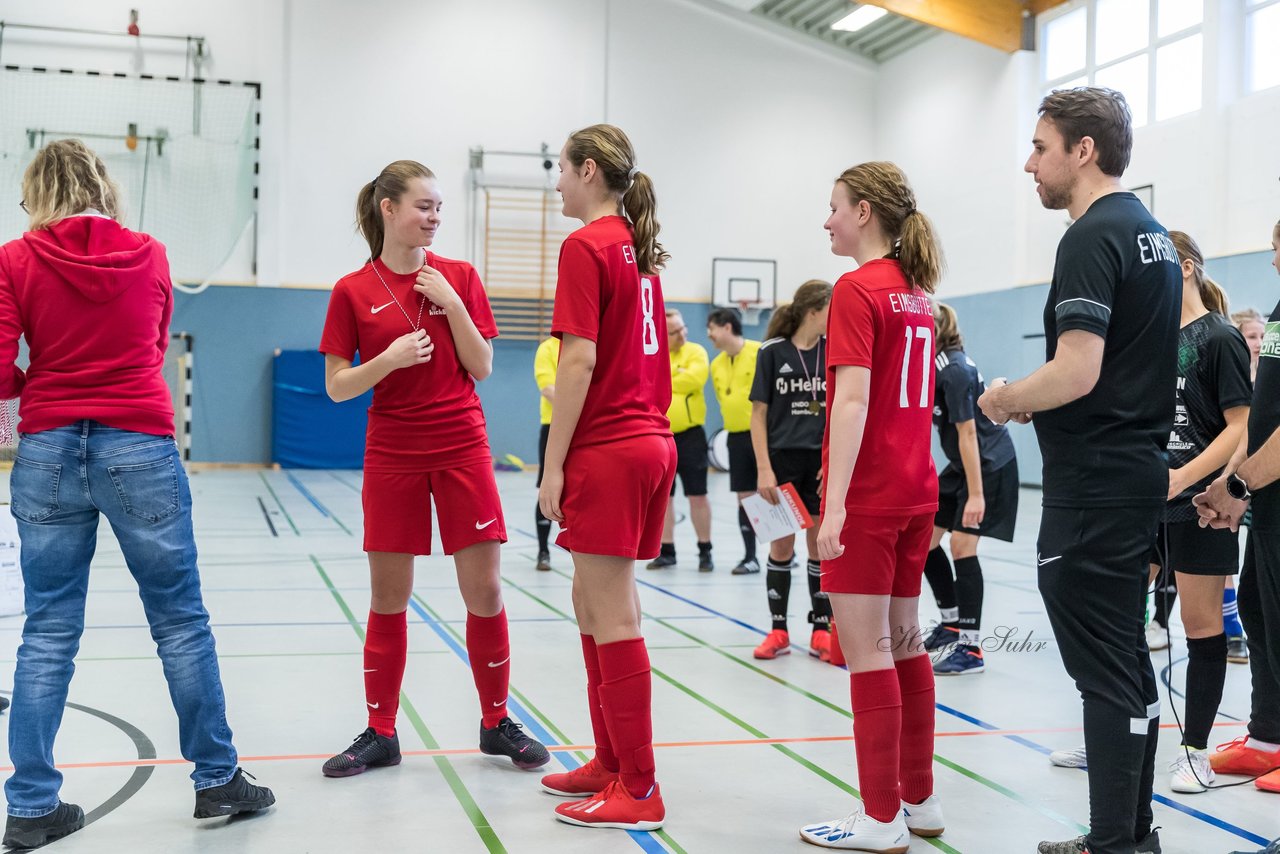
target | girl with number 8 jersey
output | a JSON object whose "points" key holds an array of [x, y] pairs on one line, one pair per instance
{"points": [[421, 324], [880, 496], [610, 463]]}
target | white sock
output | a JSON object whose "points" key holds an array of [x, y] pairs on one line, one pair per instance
{"points": [[1265, 746]]}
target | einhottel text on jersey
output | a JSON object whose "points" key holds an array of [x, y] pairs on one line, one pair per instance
{"points": [[910, 304]]}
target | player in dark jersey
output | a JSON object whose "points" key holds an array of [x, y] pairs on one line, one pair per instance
{"points": [[1103, 407], [788, 418], [880, 497], [1251, 481], [610, 463], [977, 497], [1212, 408]]}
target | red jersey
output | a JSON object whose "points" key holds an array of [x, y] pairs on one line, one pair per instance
{"points": [[601, 295], [425, 417], [878, 321]]}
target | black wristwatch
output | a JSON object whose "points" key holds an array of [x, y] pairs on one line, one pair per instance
{"points": [[1237, 488]]}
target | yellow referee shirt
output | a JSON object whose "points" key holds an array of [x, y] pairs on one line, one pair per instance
{"points": [[731, 377], [545, 363], [689, 371]]}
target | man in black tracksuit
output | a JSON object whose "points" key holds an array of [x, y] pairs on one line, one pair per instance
{"points": [[1103, 409]]}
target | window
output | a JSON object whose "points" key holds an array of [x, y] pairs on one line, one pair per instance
{"points": [[1151, 50], [1262, 34]]}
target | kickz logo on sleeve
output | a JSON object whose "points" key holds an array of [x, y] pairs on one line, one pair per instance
{"points": [[1271, 341]]}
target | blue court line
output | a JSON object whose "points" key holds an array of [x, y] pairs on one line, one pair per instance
{"points": [[1166, 676], [1017, 739], [642, 838], [307, 494]]}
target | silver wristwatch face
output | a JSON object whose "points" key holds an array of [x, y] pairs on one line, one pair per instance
{"points": [[1237, 488]]}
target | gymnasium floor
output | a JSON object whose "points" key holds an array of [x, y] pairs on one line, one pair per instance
{"points": [[747, 751]]}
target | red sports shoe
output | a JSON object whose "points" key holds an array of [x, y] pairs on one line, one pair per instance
{"points": [[776, 643], [581, 782], [835, 654], [615, 807], [1237, 757], [820, 644], [1269, 782]]}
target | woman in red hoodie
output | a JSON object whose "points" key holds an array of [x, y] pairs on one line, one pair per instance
{"points": [[93, 300]]}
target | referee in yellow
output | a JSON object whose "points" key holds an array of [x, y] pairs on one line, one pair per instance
{"points": [[688, 414], [545, 363], [732, 373]]}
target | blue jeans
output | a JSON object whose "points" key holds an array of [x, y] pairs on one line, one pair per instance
{"points": [[62, 480]]}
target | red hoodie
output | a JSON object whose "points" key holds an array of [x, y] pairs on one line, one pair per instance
{"points": [[93, 300]]}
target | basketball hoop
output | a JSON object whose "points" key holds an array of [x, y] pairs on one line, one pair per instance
{"points": [[750, 312]]}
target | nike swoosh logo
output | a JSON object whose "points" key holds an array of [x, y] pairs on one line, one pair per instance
{"points": [[480, 527], [499, 703], [374, 670], [373, 706], [500, 663], [1043, 561], [377, 308]]}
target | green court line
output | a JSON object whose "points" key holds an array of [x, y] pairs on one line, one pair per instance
{"points": [[546, 721], [740, 723], [279, 504], [947, 763], [485, 830], [349, 486]]}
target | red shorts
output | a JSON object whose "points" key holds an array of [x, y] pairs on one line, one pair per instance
{"points": [[615, 497], [883, 556], [397, 513]]}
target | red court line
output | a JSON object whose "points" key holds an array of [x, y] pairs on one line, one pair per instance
{"points": [[472, 751]]}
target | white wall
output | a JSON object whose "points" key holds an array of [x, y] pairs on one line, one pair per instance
{"points": [[742, 129], [959, 118]]}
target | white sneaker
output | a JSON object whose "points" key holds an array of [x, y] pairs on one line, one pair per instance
{"points": [[1073, 758], [924, 818], [1157, 636], [1191, 772], [860, 832]]}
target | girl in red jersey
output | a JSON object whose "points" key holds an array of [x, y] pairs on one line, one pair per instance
{"points": [[881, 493], [610, 462], [422, 325]]}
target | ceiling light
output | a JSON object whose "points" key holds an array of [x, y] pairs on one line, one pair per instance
{"points": [[860, 17]]}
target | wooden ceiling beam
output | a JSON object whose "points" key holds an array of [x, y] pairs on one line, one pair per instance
{"points": [[997, 23]]}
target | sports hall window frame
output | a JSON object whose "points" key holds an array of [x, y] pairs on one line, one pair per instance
{"points": [[1251, 9], [1086, 74]]}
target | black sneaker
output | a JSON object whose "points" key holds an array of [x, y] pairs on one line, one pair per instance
{"points": [[1150, 843], [704, 562], [661, 562], [941, 636], [544, 561], [508, 739], [235, 796], [4, 703], [1237, 651], [1079, 845], [24, 833], [369, 750], [746, 566]]}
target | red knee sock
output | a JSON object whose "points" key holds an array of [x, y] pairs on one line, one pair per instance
{"points": [[915, 760], [386, 644], [626, 694], [877, 723], [490, 654], [599, 729]]}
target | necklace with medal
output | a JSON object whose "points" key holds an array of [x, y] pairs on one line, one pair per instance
{"points": [[422, 299], [814, 406]]}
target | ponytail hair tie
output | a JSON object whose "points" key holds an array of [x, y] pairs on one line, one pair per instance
{"points": [[631, 174]]}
